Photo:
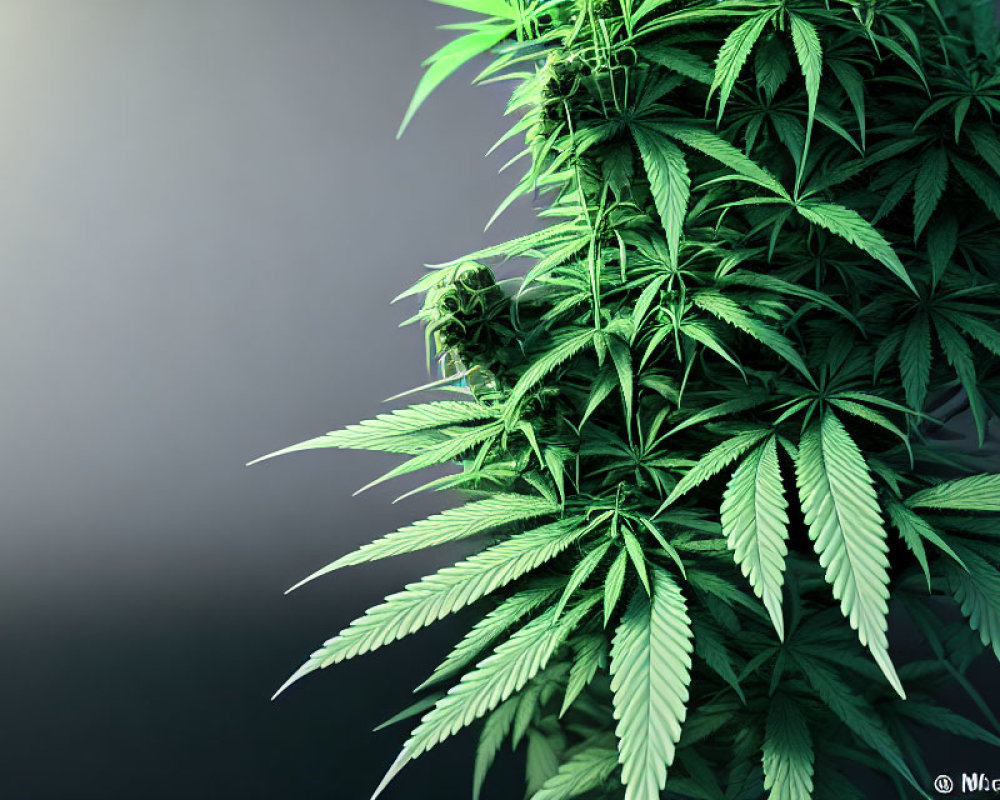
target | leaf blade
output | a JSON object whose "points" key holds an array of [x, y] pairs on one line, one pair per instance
{"points": [[845, 524], [650, 668]]}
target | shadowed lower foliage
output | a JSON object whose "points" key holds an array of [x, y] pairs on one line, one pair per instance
{"points": [[701, 438]]}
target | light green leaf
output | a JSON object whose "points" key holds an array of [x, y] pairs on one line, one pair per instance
{"points": [[452, 56], [636, 556], [650, 673], [406, 430], [755, 522], [410, 711], [496, 678], [583, 570], [788, 752], [591, 654], [491, 738], [976, 493], [441, 594], [842, 512], [493, 8], [490, 627], [448, 526], [587, 770], [613, 584], [460, 442]]}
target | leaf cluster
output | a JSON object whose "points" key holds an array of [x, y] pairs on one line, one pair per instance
{"points": [[703, 437]]}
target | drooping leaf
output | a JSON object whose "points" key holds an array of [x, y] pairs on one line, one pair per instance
{"points": [[650, 669], [858, 716], [585, 771], [618, 169], [613, 584], [493, 8], [788, 752], [959, 356], [496, 678], [710, 647], [842, 512], [681, 61], [450, 449], [730, 312], [944, 719], [755, 523], [915, 530], [581, 572], [637, 557], [985, 187], [621, 357], [809, 53], [541, 761], [722, 151]]}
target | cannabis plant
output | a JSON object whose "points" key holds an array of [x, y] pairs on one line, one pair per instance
{"points": [[703, 435]]}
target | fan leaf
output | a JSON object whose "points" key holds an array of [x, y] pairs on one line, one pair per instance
{"points": [[845, 525], [755, 523], [650, 669]]}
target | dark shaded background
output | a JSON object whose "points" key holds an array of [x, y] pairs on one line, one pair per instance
{"points": [[203, 215]]}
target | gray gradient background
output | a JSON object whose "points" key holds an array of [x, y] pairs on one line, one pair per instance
{"points": [[203, 215]]}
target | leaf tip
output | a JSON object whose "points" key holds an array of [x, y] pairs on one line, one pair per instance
{"points": [[302, 671], [394, 770]]}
